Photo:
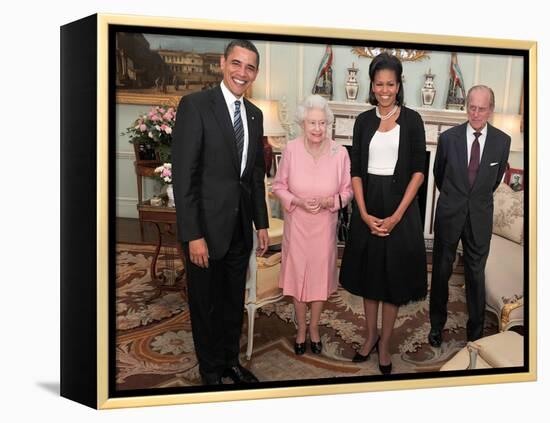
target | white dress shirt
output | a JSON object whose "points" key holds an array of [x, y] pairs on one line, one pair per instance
{"points": [[230, 102]]}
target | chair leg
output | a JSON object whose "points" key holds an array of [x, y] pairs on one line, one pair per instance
{"points": [[251, 311]]}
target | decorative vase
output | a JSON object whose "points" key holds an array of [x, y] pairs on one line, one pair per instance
{"points": [[428, 90], [170, 194], [352, 86]]}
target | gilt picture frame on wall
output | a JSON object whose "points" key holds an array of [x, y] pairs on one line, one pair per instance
{"points": [[126, 331]]}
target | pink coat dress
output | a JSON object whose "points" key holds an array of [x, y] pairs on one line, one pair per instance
{"points": [[308, 267]]}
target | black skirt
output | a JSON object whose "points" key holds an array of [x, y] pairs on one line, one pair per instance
{"points": [[391, 269]]}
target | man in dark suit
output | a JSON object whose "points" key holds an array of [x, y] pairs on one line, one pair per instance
{"points": [[469, 164], [218, 175]]}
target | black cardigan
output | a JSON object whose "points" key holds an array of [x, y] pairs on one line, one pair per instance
{"points": [[411, 156]]}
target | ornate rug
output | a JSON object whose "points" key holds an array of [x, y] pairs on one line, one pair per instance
{"points": [[154, 346]]}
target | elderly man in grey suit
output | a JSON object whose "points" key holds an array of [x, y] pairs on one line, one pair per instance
{"points": [[469, 164]]}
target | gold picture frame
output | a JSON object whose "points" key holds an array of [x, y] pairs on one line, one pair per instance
{"points": [[88, 379]]}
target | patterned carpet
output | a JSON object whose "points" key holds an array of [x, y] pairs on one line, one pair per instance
{"points": [[154, 346]]}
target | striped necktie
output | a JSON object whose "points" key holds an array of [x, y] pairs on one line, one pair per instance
{"points": [[239, 129], [473, 166]]}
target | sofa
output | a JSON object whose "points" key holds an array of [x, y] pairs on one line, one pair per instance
{"points": [[504, 278]]}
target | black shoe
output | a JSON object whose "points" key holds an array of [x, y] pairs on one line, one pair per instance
{"points": [[316, 347], [359, 358], [211, 379], [238, 374], [435, 338], [384, 369], [300, 349]]}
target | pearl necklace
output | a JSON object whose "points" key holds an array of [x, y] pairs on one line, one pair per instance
{"points": [[389, 115]]}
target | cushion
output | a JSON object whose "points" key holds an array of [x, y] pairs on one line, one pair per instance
{"points": [[508, 213]]}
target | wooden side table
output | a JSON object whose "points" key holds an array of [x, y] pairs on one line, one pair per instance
{"points": [[164, 220]]}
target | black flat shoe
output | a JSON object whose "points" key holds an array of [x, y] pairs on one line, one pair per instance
{"points": [[300, 349], [359, 358], [385, 369], [316, 347]]}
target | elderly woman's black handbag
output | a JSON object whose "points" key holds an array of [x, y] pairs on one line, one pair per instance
{"points": [[342, 226]]}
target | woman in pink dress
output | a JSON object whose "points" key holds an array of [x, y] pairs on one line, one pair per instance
{"points": [[313, 181]]}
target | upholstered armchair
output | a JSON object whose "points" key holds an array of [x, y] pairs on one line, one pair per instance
{"points": [[262, 287], [275, 230], [505, 349], [504, 270], [262, 284]]}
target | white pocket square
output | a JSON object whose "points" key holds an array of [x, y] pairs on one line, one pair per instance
{"points": [[493, 164]]}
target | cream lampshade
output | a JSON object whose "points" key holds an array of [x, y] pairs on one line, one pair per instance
{"points": [[272, 126], [511, 125]]}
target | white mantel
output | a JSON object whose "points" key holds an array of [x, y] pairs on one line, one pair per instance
{"points": [[435, 120]]}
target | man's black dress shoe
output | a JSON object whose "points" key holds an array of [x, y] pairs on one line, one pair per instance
{"points": [[238, 374], [434, 338], [359, 358], [211, 379], [316, 347], [299, 349]]}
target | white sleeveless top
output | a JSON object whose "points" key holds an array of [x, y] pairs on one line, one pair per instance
{"points": [[383, 151]]}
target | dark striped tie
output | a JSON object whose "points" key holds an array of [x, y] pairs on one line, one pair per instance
{"points": [[239, 129], [473, 166]]}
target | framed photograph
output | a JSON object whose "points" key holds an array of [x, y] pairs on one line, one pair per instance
{"points": [[514, 178], [127, 336]]}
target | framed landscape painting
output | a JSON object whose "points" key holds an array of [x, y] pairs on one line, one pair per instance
{"points": [[126, 330]]}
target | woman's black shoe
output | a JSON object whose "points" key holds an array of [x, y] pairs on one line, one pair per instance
{"points": [[316, 347], [359, 358], [385, 369], [299, 349]]}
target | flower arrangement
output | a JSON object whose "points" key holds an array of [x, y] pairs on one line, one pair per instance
{"points": [[154, 128], [165, 172]]}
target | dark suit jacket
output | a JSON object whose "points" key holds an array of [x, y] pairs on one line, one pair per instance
{"points": [[456, 198], [411, 155], [208, 189]]}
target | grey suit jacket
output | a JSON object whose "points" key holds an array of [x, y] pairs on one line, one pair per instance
{"points": [[457, 199]]}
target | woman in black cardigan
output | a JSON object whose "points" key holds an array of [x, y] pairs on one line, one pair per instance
{"points": [[385, 260]]}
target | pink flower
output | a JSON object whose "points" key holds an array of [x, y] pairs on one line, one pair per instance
{"points": [[166, 129], [142, 127], [155, 117]]}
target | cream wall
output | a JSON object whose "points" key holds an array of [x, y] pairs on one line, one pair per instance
{"points": [[287, 72]]}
